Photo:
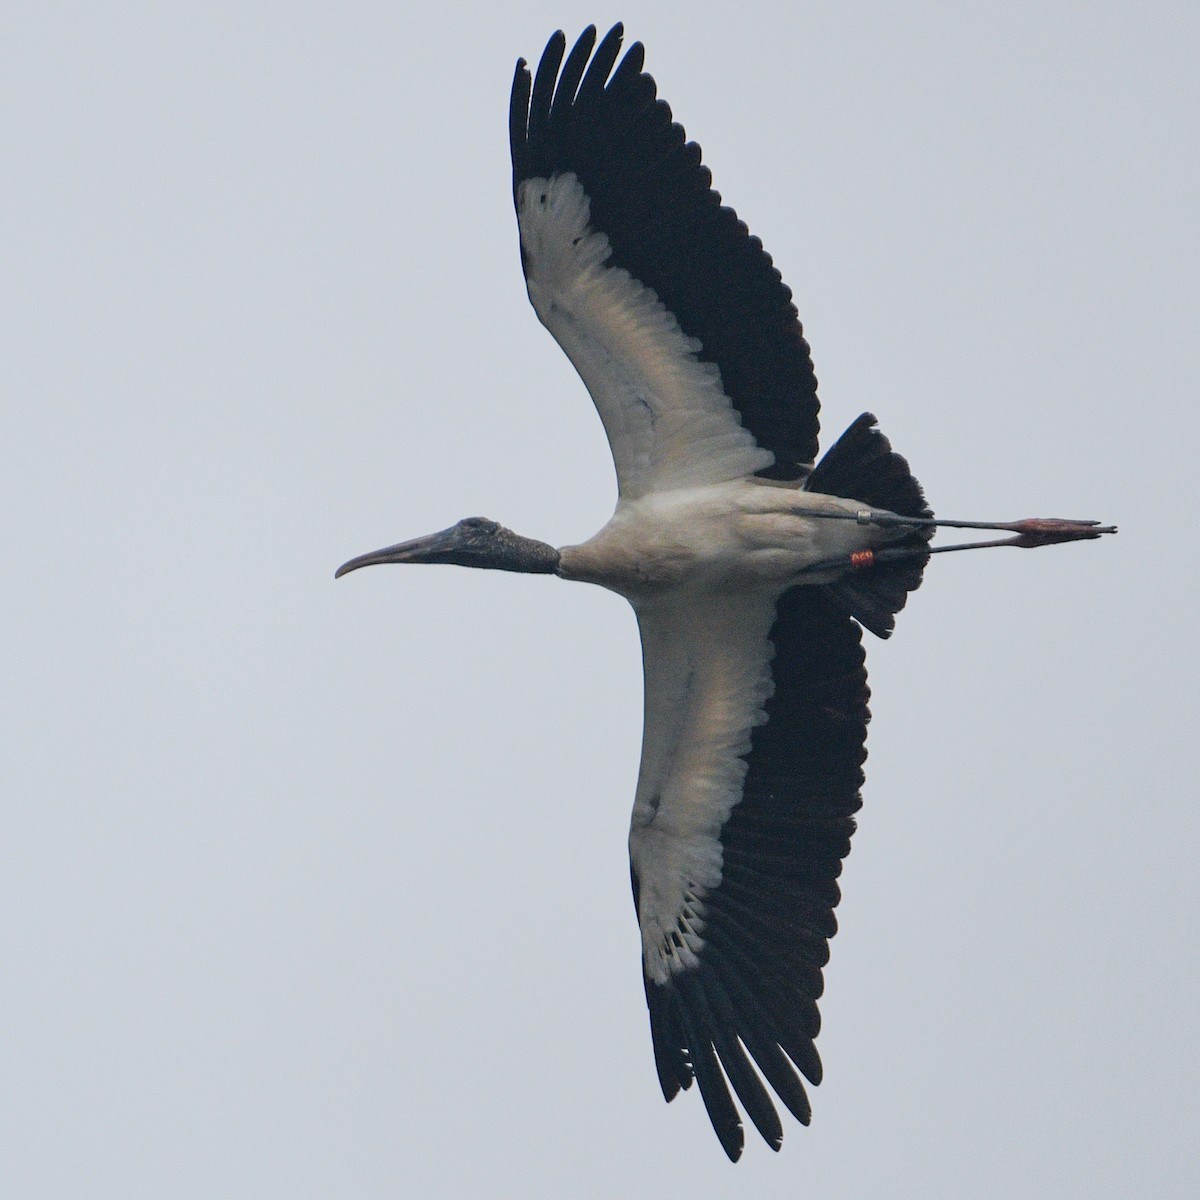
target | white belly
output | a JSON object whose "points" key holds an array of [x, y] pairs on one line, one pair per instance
{"points": [[721, 538]]}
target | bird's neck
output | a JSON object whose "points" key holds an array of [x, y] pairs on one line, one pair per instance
{"points": [[512, 552]]}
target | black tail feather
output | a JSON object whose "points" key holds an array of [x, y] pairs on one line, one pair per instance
{"points": [[861, 465]]}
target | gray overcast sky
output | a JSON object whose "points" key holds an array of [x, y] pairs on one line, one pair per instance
{"points": [[315, 889]]}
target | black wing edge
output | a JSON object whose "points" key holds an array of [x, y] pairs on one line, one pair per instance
{"points": [[654, 200], [752, 1001]]}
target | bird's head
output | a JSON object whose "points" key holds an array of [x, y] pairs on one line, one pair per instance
{"points": [[473, 542]]}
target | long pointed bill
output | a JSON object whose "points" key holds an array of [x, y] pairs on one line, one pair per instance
{"points": [[1026, 534], [428, 549]]}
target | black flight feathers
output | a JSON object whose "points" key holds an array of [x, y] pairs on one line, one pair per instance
{"points": [[654, 201], [753, 998]]}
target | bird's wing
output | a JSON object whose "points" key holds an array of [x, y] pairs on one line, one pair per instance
{"points": [[756, 716], [672, 313]]}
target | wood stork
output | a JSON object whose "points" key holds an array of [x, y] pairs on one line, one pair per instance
{"points": [[749, 568]]}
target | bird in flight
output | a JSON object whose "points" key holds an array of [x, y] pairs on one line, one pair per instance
{"points": [[752, 568]]}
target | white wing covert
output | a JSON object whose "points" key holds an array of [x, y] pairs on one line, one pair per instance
{"points": [[668, 421]]}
